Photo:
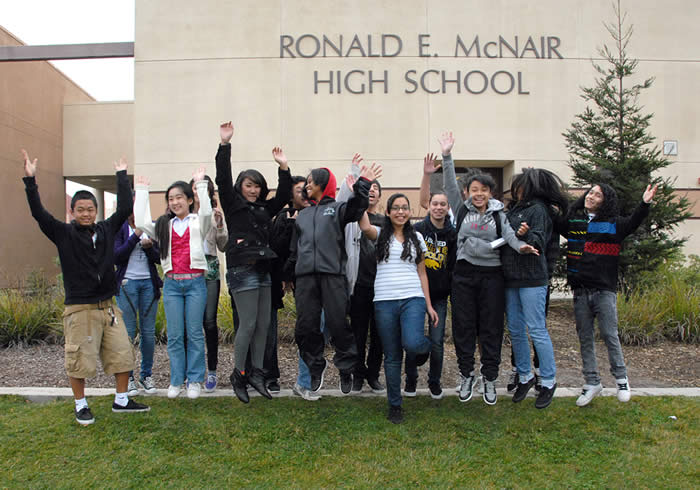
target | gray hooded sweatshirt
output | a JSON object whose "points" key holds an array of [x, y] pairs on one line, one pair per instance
{"points": [[477, 230]]}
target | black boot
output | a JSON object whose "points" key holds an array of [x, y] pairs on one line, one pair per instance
{"points": [[257, 381], [239, 383]]}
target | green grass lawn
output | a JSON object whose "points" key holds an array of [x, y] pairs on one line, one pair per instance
{"points": [[218, 442]]}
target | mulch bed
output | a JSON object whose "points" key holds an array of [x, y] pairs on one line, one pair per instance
{"points": [[666, 364]]}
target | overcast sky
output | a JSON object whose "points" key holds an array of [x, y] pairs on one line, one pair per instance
{"points": [[79, 21]]}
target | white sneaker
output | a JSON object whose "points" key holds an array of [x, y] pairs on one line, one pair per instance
{"points": [[589, 392], [133, 388], [193, 390], [148, 385], [307, 395], [623, 390], [174, 391]]}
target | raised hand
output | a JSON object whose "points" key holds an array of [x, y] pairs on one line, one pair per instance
{"points": [[357, 159], [371, 173], [121, 164], [29, 165], [529, 249], [523, 229], [350, 181], [446, 141], [226, 132], [429, 165], [142, 180], [649, 193], [198, 174], [280, 157]]}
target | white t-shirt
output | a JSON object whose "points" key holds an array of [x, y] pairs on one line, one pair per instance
{"points": [[396, 278]]}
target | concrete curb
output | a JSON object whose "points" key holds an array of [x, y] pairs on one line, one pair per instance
{"points": [[42, 395]]}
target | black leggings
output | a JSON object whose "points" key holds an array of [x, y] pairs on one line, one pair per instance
{"points": [[211, 330]]}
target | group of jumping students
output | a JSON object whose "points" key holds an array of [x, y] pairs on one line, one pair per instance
{"points": [[340, 257]]}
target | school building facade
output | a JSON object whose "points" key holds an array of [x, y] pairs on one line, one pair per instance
{"points": [[325, 80]]}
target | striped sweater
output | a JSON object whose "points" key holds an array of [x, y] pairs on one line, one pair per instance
{"points": [[594, 247]]}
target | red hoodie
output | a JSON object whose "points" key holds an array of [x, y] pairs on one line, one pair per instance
{"points": [[329, 191]]}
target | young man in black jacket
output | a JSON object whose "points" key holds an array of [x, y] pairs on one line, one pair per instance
{"points": [[594, 232], [319, 258], [91, 324]]}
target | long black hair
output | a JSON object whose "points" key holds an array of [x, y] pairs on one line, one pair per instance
{"points": [[255, 177], [609, 208], [163, 223], [538, 183], [410, 239]]}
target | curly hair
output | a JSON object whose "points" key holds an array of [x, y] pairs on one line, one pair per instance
{"points": [[609, 208], [410, 241]]}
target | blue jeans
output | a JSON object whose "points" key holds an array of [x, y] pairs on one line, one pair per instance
{"points": [[401, 326], [184, 302], [136, 299], [525, 308], [437, 336], [304, 376], [589, 304]]}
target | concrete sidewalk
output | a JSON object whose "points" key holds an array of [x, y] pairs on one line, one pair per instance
{"points": [[40, 394]]}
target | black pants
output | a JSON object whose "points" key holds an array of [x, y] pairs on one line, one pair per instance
{"points": [[478, 312], [327, 291], [362, 322], [211, 330], [271, 370]]}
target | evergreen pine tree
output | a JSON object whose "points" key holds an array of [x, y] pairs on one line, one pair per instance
{"points": [[610, 143]]}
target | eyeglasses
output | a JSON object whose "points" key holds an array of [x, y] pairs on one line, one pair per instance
{"points": [[400, 208]]}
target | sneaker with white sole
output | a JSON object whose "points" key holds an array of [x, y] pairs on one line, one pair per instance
{"points": [[409, 388], [465, 388], [148, 385], [490, 395], [84, 416], [308, 395], [130, 407], [210, 384], [193, 390], [588, 393], [513, 380], [435, 391], [133, 388], [623, 390], [174, 391]]}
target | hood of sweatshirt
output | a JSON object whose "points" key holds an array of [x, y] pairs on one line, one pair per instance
{"points": [[329, 191], [494, 205]]}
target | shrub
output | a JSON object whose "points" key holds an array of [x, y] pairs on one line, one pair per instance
{"points": [[30, 318], [666, 306]]}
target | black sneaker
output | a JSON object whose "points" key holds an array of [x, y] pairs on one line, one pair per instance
{"points": [[345, 383], [512, 381], [273, 386], [435, 391], [317, 380], [84, 416], [376, 386], [395, 415], [357, 382], [545, 397], [522, 389], [409, 389], [131, 407]]}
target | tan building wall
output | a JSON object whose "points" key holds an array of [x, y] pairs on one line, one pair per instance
{"points": [[32, 95], [233, 60]]}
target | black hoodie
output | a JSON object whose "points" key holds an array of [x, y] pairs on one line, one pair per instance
{"points": [[440, 257]]}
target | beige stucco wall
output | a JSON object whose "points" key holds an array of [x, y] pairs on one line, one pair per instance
{"points": [[32, 95], [95, 135]]}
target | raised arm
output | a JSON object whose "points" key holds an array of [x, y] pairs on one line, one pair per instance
{"points": [[142, 207], [367, 228], [284, 184], [49, 225], [348, 182], [221, 229], [630, 223], [125, 203], [429, 168], [359, 202], [449, 176], [223, 178], [205, 211]]}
